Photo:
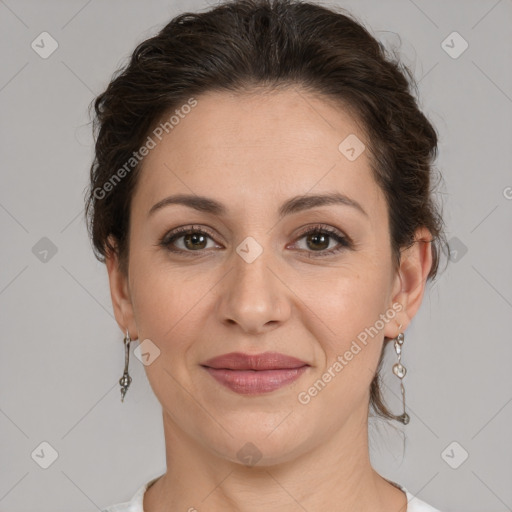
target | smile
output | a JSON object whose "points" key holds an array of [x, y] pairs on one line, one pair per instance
{"points": [[255, 373]]}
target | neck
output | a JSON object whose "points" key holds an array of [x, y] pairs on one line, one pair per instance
{"points": [[334, 475]]}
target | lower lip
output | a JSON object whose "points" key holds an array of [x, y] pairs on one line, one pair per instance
{"points": [[250, 382]]}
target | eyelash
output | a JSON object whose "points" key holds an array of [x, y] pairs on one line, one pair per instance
{"points": [[344, 241]]}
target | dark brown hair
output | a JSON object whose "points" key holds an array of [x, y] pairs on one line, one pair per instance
{"points": [[251, 45]]}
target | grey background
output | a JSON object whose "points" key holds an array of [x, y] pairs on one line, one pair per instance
{"points": [[61, 349]]}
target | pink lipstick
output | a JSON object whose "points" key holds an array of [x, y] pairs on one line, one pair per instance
{"points": [[254, 374]]}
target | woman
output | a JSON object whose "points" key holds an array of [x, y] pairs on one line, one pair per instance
{"points": [[261, 196]]}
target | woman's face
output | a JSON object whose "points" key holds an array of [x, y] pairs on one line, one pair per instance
{"points": [[249, 279]]}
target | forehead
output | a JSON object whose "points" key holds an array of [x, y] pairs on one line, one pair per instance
{"points": [[257, 147]]}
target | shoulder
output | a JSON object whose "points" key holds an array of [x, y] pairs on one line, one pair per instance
{"points": [[128, 506], [120, 507], [135, 504], [414, 504]]}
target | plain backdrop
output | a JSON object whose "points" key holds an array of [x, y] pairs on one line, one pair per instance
{"points": [[61, 350]]}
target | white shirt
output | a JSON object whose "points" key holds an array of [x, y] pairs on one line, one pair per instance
{"points": [[135, 504]]}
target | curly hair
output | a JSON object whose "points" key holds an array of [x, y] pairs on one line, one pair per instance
{"points": [[251, 45]]}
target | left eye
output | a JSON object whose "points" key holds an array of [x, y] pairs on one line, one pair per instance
{"points": [[321, 239], [319, 236]]}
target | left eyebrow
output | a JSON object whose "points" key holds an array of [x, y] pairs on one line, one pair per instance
{"points": [[300, 203], [294, 205]]}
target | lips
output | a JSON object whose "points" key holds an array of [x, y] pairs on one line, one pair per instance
{"points": [[265, 361], [248, 374]]}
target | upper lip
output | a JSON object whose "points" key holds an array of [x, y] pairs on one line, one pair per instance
{"points": [[264, 361]]}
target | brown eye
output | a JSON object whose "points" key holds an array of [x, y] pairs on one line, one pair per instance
{"points": [[318, 240], [186, 240], [194, 241]]}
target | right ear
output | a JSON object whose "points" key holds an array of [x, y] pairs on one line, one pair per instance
{"points": [[120, 292]]}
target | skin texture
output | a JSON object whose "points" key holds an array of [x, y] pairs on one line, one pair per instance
{"points": [[252, 152]]}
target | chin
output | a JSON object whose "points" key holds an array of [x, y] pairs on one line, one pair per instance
{"points": [[254, 446]]}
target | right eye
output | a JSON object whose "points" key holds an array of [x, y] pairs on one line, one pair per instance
{"points": [[194, 240]]}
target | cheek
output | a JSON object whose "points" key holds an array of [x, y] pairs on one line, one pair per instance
{"points": [[163, 305], [346, 298], [152, 303], [350, 343], [168, 302], [155, 296], [342, 311]]}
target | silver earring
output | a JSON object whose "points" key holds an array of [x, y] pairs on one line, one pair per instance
{"points": [[399, 370], [125, 380]]}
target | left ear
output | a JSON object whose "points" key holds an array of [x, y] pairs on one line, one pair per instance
{"points": [[411, 278]]}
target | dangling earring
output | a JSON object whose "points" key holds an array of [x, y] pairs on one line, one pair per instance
{"points": [[399, 370], [125, 380]]}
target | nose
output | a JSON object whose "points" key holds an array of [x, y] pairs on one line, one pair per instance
{"points": [[253, 295]]}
